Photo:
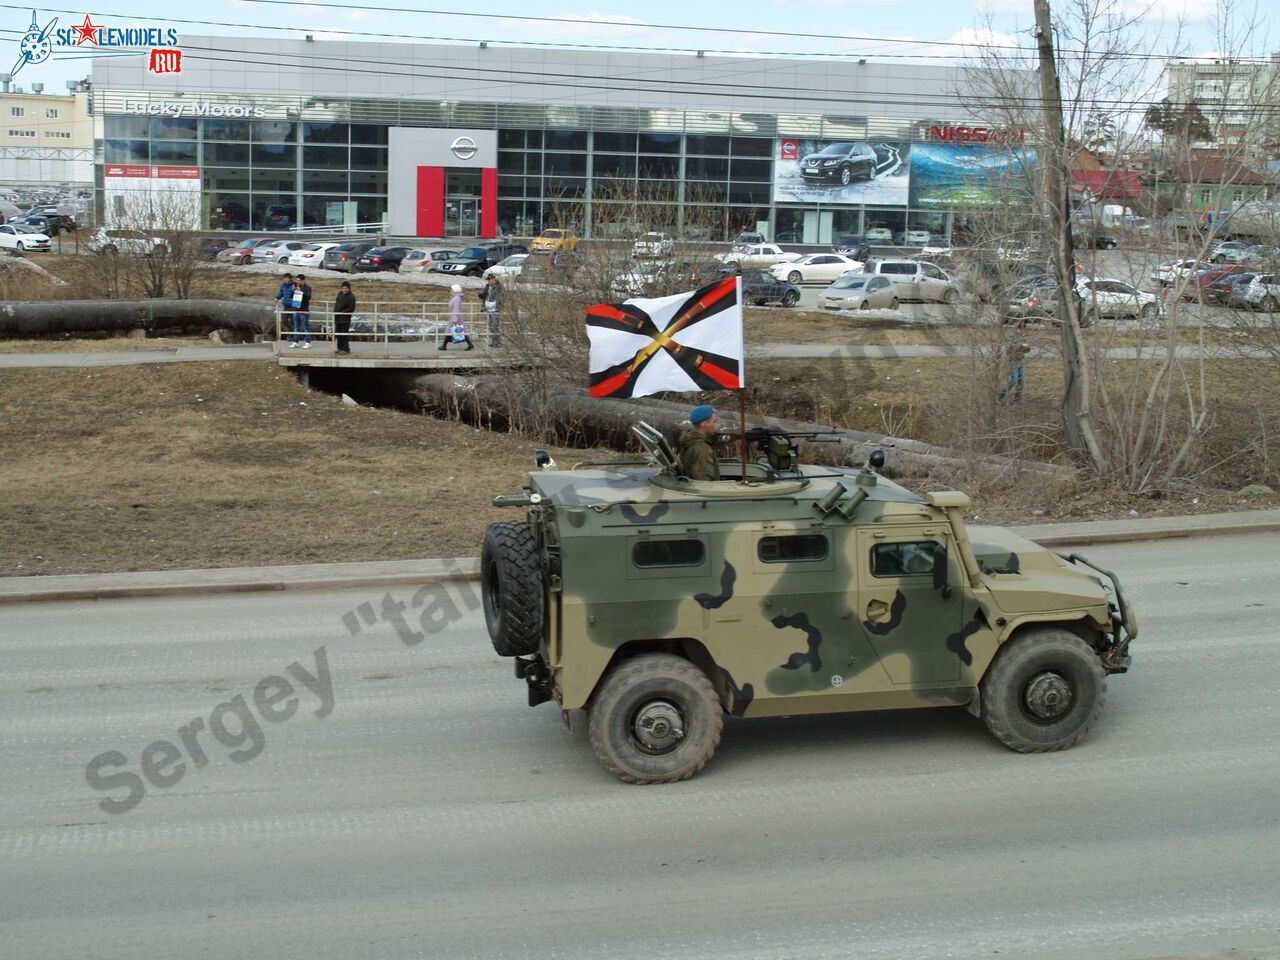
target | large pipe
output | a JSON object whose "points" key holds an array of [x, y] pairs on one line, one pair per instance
{"points": [[49, 317]]}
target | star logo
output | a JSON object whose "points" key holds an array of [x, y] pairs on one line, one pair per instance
{"points": [[87, 31]]}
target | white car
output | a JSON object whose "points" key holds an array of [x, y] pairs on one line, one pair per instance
{"points": [[312, 255], [126, 241], [1171, 271], [815, 268], [653, 245], [911, 238], [510, 267], [13, 238], [878, 235], [1106, 297], [278, 251], [860, 291], [762, 255], [421, 260]]}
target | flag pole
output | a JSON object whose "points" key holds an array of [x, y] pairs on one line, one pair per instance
{"points": [[742, 426]]}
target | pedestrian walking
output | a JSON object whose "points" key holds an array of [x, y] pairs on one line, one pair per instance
{"points": [[491, 299], [344, 304], [300, 300], [456, 332], [284, 297], [1015, 351]]}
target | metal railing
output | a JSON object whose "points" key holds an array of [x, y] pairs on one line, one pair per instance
{"points": [[377, 328]]}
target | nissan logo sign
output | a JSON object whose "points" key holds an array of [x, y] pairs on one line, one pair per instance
{"points": [[464, 148]]}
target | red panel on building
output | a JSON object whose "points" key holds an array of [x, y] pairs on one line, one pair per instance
{"points": [[431, 201], [489, 202]]}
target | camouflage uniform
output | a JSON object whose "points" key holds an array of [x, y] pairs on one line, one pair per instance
{"points": [[697, 459]]}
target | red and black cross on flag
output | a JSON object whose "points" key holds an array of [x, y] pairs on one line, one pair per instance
{"points": [[688, 342]]}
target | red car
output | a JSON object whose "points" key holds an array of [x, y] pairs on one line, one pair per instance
{"points": [[240, 253], [1194, 290]]}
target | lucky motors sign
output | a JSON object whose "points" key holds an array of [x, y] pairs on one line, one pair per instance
{"points": [[88, 39], [192, 108]]}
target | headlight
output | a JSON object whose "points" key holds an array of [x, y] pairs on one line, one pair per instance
{"points": [[829, 163]]}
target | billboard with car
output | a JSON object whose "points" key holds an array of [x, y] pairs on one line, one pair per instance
{"points": [[841, 171], [970, 174]]}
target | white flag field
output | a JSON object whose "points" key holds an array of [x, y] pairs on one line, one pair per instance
{"points": [[685, 343]]}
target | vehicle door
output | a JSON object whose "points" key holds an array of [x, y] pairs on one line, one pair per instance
{"points": [[825, 268], [904, 280], [910, 603], [880, 292], [933, 284]]}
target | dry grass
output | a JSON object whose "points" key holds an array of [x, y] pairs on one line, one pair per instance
{"points": [[103, 344], [228, 464]]}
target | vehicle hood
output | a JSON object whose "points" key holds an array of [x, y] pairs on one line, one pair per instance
{"points": [[1024, 577]]}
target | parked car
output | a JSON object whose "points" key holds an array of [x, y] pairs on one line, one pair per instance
{"points": [[1231, 251], [209, 247], [1031, 298], [936, 245], [1091, 240], [377, 259], [277, 251], [1098, 297], [878, 235], [241, 253], [343, 257], [126, 241], [760, 288], [554, 239], [1206, 278], [840, 163], [815, 268], [916, 279], [853, 245], [1223, 291], [425, 261], [543, 266], [860, 291], [510, 267], [50, 224], [475, 260], [911, 238], [749, 236], [19, 240], [1171, 271], [757, 255], [1260, 293], [311, 255], [653, 245]]}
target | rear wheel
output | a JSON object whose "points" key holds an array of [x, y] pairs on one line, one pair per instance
{"points": [[894, 304], [1270, 305], [655, 719], [1044, 691], [790, 298], [511, 585]]}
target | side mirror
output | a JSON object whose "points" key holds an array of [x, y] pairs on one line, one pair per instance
{"points": [[940, 570]]}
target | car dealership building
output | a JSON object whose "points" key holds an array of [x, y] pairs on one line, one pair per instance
{"points": [[436, 140]]}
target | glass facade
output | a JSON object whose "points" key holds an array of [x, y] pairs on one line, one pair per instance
{"points": [[271, 174]]}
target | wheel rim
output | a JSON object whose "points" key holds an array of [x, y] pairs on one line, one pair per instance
{"points": [[658, 727], [845, 176], [1048, 697], [789, 300], [794, 276]]}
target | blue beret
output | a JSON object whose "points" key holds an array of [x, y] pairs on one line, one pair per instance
{"points": [[703, 411]]}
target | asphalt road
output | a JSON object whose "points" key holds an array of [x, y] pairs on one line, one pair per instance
{"points": [[431, 813]]}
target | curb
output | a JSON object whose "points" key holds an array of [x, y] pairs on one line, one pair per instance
{"points": [[224, 580]]}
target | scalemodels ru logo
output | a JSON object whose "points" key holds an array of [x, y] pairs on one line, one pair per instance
{"points": [[89, 39]]}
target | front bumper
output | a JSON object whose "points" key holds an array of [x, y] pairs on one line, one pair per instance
{"points": [[819, 173], [1123, 620]]}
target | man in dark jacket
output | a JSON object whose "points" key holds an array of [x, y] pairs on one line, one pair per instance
{"points": [[301, 302], [343, 306], [284, 296], [697, 459]]}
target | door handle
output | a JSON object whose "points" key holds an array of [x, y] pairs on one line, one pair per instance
{"points": [[877, 611]]}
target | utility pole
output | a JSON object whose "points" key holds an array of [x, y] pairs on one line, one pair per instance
{"points": [[1077, 420]]}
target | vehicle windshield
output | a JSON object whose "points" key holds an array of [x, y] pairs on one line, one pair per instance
{"points": [[474, 253], [652, 237], [834, 150], [553, 234], [851, 281]]}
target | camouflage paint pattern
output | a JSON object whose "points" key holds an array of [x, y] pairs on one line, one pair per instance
{"points": [[872, 618]]}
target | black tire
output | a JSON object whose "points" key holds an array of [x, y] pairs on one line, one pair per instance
{"points": [[1149, 311], [1220, 258], [511, 585], [790, 298], [1109, 246], [948, 296], [665, 699], [1044, 691], [758, 303], [795, 277], [21, 245], [1270, 305], [1089, 317], [110, 248], [846, 176], [894, 304]]}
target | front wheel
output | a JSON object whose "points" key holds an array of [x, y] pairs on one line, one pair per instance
{"points": [[948, 296], [655, 719], [794, 276], [790, 298], [1270, 305], [846, 176], [1220, 259], [894, 304], [1044, 691], [1149, 311], [21, 245]]}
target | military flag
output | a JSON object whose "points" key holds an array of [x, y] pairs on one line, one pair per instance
{"points": [[685, 343]]}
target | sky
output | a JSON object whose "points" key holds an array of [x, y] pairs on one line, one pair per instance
{"points": [[931, 31]]}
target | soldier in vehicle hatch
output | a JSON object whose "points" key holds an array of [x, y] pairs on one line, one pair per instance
{"points": [[697, 459]]}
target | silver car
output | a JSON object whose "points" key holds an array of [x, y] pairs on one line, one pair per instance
{"points": [[860, 291], [278, 252]]}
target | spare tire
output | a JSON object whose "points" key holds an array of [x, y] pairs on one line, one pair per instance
{"points": [[512, 586]]}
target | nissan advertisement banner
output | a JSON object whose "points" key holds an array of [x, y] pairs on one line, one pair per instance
{"points": [[842, 171], [970, 174]]}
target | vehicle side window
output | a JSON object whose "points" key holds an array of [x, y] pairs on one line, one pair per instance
{"points": [[931, 271], [902, 559], [898, 268], [667, 553], [879, 283], [795, 547]]}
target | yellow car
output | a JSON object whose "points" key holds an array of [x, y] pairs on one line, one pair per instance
{"points": [[554, 240]]}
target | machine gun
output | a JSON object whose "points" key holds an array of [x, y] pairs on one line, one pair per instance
{"points": [[778, 446]]}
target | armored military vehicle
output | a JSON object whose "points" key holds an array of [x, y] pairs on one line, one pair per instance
{"points": [[659, 604]]}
